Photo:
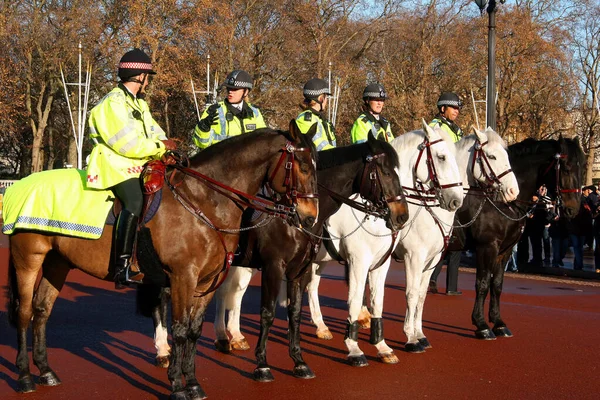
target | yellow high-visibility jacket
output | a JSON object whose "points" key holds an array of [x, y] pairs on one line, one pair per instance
{"points": [[324, 139], [228, 124], [456, 133], [365, 123], [125, 137]]}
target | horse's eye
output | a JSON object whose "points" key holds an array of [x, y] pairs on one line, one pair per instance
{"points": [[491, 156], [441, 157]]}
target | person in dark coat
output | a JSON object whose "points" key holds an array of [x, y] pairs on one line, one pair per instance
{"points": [[581, 227]]}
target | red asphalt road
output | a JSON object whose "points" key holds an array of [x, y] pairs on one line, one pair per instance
{"points": [[101, 349]]}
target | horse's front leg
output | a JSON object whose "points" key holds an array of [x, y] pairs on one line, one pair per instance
{"points": [[499, 328], [377, 289], [482, 283], [424, 285], [295, 288], [271, 280], [229, 296], [312, 288], [359, 270]]}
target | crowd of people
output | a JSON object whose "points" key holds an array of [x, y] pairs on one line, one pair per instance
{"points": [[549, 234]]}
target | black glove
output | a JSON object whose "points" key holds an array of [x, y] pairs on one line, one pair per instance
{"points": [[211, 118]]}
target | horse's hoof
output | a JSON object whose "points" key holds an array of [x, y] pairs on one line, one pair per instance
{"points": [[26, 384], [241, 344], [358, 361], [162, 361], [179, 395], [263, 375], [223, 346], [49, 379], [425, 343], [485, 334], [325, 334], [502, 331], [414, 348], [303, 372], [389, 358], [195, 392]]}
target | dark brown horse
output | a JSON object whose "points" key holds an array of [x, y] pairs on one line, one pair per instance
{"points": [[191, 251], [283, 251]]}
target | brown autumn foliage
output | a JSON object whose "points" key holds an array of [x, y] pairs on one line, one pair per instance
{"points": [[416, 49]]}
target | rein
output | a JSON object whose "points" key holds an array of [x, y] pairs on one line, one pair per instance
{"points": [[242, 199]]}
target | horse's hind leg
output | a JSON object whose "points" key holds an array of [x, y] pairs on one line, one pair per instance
{"points": [[377, 288], [424, 285], [295, 289], [192, 388], [54, 274], [499, 328], [161, 334], [229, 296], [312, 288], [482, 284], [23, 271]]}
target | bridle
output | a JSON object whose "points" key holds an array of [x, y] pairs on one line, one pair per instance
{"points": [[370, 189], [491, 178], [556, 164], [241, 199], [431, 195]]}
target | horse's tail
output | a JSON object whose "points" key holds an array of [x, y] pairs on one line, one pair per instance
{"points": [[13, 293], [148, 298]]}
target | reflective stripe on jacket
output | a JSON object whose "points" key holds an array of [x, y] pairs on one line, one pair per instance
{"points": [[223, 129], [125, 137], [363, 125], [443, 123], [324, 139]]}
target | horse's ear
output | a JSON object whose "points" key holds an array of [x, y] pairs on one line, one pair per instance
{"points": [[427, 129], [311, 132], [294, 130], [562, 144], [481, 136]]}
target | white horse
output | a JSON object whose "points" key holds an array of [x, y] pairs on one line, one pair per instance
{"points": [[428, 161]]}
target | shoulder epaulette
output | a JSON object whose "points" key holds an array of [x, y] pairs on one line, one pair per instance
{"points": [[308, 116]]}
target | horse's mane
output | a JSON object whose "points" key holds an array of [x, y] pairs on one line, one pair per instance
{"points": [[343, 155], [414, 138], [493, 139], [247, 139]]}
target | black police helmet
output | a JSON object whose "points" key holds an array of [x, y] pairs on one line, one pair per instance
{"points": [[238, 79], [133, 63], [449, 99], [374, 91], [314, 88]]}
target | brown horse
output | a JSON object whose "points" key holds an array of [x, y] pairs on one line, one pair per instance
{"points": [[190, 244]]}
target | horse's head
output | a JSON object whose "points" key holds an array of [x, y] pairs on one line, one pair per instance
{"points": [[439, 170], [381, 182], [490, 166], [569, 170], [294, 174]]}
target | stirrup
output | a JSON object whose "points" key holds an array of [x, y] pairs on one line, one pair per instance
{"points": [[125, 277]]}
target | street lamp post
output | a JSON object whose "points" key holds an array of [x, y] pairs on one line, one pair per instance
{"points": [[491, 81]]}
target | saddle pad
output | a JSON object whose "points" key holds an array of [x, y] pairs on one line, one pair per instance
{"points": [[56, 201]]}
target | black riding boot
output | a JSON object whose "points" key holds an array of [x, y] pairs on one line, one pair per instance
{"points": [[125, 234]]}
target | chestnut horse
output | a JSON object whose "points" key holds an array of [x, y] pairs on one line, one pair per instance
{"points": [[202, 214]]}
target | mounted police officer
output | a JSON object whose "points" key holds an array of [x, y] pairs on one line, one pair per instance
{"points": [[449, 105], [125, 137], [230, 117], [371, 120], [315, 93]]}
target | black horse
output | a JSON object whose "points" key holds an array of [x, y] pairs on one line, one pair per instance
{"points": [[281, 250], [558, 164]]}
